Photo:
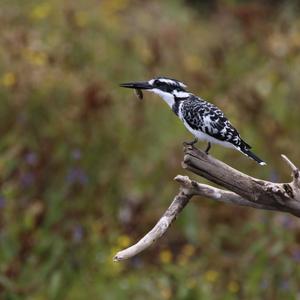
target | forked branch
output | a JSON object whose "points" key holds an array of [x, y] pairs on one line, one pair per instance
{"points": [[241, 189]]}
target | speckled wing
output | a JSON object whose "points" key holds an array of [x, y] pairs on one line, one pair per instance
{"points": [[204, 116]]}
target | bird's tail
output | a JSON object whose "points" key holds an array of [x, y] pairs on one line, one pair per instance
{"points": [[245, 150]]}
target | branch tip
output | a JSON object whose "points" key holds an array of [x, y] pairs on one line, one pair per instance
{"points": [[296, 173], [291, 165], [178, 204]]}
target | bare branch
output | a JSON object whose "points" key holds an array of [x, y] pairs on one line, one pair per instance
{"points": [[292, 166], [207, 191], [242, 190], [179, 202], [276, 196], [295, 174]]}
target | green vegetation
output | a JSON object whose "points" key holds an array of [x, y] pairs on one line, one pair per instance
{"points": [[86, 168]]}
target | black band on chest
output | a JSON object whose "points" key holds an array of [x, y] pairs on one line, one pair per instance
{"points": [[175, 106]]}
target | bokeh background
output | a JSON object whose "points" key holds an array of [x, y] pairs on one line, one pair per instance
{"points": [[87, 168]]}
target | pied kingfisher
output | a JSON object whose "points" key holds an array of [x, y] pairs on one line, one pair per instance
{"points": [[203, 119]]}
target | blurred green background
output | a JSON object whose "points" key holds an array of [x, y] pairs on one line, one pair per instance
{"points": [[87, 169]]}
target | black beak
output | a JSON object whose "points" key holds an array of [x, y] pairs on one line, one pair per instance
{"points": [[137, 85]]}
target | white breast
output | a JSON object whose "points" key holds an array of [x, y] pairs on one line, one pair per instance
{"points": [[167, 97], [202, 135]]}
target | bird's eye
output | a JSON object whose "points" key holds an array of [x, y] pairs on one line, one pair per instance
{"points": [[163, 86], [159, 83]]}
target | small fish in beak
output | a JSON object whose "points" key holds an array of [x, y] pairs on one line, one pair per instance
{"points": [[139, 94], [138, 87]]}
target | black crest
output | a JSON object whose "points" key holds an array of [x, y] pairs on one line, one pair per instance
{"points": [[168, 84]]}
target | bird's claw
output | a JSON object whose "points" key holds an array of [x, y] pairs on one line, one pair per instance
{"points": [[207, 148]]}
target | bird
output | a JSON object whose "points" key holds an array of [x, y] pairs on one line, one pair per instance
{"points": [[203, 119]]}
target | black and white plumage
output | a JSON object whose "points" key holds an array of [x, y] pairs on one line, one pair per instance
{"points": [[203, 119]]}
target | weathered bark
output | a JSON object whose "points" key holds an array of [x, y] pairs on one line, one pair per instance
{"points": [[242, 189], [277, 196]]}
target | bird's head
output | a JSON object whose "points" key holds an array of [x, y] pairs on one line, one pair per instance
{"points": [[167, 88]]}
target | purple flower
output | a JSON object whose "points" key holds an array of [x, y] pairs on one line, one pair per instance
{"points": [[27, 179], [284, 285], [264, 284], [287, 222], [76, 154], [31, 158], [78, 233], [77, 175], [296, 255], [2, 201]]}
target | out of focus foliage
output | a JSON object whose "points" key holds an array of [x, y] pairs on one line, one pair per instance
{"points": [[86, 168]]}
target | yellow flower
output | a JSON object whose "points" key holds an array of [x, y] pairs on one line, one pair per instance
{"points": [[37, 58], [40, 11], [111, 11], [81, 19], [8, 79], [124, 241], [295, 39], [192, 63], [188, 250], [233, 287], [165, 256], [211, 276], [111, 7], [192, 283]]}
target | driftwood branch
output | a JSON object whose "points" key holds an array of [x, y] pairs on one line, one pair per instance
{"points": [[240, 189], [178, 204], [276, 196]]}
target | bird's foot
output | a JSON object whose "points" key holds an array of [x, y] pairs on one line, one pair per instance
{"points": [[192, 143], [207, 148]]}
